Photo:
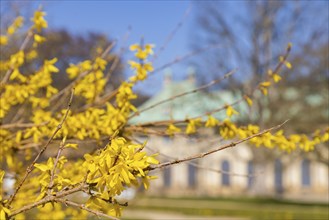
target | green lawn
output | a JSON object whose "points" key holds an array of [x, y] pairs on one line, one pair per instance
{"points": [[251, 208]]}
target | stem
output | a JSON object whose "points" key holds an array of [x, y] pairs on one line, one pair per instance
{"points": [[83, 207]]}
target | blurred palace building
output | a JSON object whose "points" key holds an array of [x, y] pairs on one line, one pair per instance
{"points": [[240, 171]]}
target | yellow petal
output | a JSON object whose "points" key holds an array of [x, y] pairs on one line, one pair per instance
{"points": [[248, 100], [265, 84], [134, 47]]}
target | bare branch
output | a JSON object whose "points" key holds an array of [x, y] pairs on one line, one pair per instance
{"points": [[172, 33], [22, 125], [83, 207], [199, 166], [31, 206], [47, 199], [117, 59], [186, 56]]}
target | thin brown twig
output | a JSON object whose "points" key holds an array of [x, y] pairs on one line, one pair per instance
{"points": [[20, 112], [275, 71], [209, 168], [117, 58], [31, 167], [31, 206], [183, 94], [47, 199], [145, 130], [28, 146], [22, 125], [53, 171], [83, 207], [79, 187], [224, 172], [201, 155], [186, 56], [199, 166], [172, 33]]}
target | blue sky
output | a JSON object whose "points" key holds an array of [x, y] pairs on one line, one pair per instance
{"points": [[152, 20]]}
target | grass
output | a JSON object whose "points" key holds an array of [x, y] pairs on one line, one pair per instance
{"points": [[251, 208]]}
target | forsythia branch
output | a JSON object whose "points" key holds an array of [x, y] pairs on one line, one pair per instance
{"points": [[232, 144], [31, 167]]}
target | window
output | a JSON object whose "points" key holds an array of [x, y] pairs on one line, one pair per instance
{"points": [[306, 173], [250, 171], [278, 176], [225, 175], [193, 138], [192, 175], [167, 139], [167, 177]]}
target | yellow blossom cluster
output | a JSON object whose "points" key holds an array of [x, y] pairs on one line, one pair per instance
{"points": [[229, 130], [93, 84], [39, 20], [115, 168], [17, 23], [142, 67], [27, 88], [172, 129], [192, 125]]}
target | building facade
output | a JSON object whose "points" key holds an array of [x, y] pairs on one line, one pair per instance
{"points": [[234, 171]]}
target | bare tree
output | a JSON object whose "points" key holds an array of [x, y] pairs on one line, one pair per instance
{"points": [[251, 35]]}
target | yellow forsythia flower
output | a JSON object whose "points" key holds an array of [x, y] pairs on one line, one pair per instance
{"points": [[142, 53], [135, 47], [72, 71], [17, 59], [172, 129], [248, 100], [49, 66], [39, 39], [39, 21], [3, 40], [276, 77], [192, 125], [211, 122], [265, 84], [100, 63], [16, 24], [231, 111], [31, 55], [286, 63]]}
